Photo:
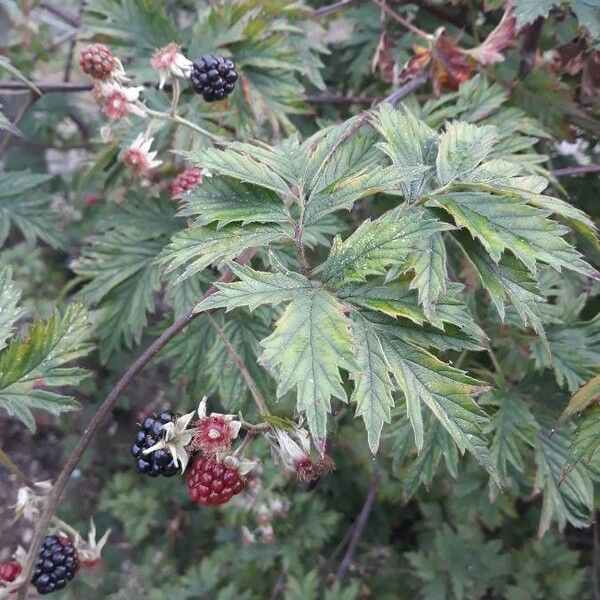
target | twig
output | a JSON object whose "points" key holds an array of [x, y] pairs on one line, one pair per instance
{"points": [[102, 413], [47, 87], [530, 47], [239, 363], [60, 12], [580, 170], [325, 11], [279, 584], [341, 545], [71, 51], [399, 19], [50, 87], [337, 99], [8, 464], [358, 528]]}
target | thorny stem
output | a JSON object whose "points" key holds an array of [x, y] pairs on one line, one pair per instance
{"points": [[239, 363], [7, 463], [102, 413], [358, 528], [399, 19]]}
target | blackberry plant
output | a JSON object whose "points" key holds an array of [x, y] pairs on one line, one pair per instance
{"points": [[356, 255]]}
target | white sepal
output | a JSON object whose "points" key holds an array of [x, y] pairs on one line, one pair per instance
{"points": [[177, 437]]}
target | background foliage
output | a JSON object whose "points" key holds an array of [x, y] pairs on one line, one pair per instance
{"points": [[446, 314]]}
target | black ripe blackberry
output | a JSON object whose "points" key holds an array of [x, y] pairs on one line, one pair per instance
{"points": [[56, 564], [214, 77], [159, 462]]}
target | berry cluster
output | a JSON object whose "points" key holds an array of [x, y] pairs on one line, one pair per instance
{"points": [[186, 181], [56, 564], [214, 77], [159, 462], [98, 61], [211, 482]]}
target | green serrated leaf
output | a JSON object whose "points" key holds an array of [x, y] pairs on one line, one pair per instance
{"points": [[239, 166], [507, 223], [582, 398], [255, 288], [574, 352], [376, 245], [585, 441], [429, 263], [196, 248], [446, 391], [409, 143], [344, 193], [311, 342], [372, 384], [10, 312], [30, 363], [25, 206], [571, 501], [506, 281], [224, 200], [512, 427], [461, 148]]}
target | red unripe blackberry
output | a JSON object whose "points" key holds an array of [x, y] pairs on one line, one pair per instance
{"points": [[211, 482], [98, 61], [56, 564], [159, 462], [214, 77], [9, 571], [185, 181]]}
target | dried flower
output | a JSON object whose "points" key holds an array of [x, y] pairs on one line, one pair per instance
{"points": [[169, 61], [30, 503], [119, 101], [177, 436], [90, 551], [138, 157], [215, 432], [293, 448]]}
